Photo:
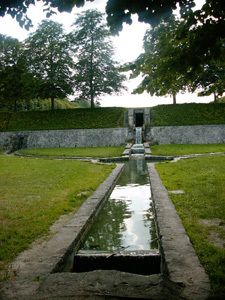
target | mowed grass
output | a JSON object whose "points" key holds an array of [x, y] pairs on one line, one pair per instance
{"points": [[77, 152], [201, 208], [185, 149], [35, 192]]}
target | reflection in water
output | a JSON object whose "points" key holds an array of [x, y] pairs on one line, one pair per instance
{"points": [[127, 218]]}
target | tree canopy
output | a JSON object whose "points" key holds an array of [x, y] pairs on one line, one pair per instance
{"points": [[15, 80], [47, 52], [171, 63], [162, 62], [51, 64], [118, 11], [96, 72], [210, 18]]}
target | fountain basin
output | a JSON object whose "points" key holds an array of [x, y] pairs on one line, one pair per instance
{"points": [[137, 149]]}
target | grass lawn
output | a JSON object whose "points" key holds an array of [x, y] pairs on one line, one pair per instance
{"points": [[77, 152], [184, 149], [201, 208], [35, 192]]}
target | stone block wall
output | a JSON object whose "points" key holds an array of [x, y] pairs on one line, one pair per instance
{"points": [[63, 138], [111, 137], [195, 134]]}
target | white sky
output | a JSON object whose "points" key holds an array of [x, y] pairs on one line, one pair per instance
{"points": [[128, 46]]}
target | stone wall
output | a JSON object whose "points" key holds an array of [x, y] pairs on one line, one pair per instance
{"points": [[196, 134], [111, 137], [64, 138]]}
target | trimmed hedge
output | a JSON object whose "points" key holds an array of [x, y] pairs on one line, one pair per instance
{"points": [[189, 114], [4, 120], [82, 118], [112, 117]]}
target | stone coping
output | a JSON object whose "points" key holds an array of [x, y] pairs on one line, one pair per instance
{"points": [[180, 261], [125, 156]]}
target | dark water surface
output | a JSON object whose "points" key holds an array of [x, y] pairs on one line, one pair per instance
{"points": [[126, 220]]}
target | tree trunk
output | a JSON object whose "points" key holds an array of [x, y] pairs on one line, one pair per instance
{"points": [[53, 102], [215, 97], [91, 74], [174, 99]]}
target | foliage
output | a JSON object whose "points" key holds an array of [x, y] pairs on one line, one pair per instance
{"points": [[206, 25], [5, 119], [77, 152], [48, 54], [221, 100], [96, 72], [212, 80], [189, 114], [37, 104], [162, 62], [168, 65], [81, 118], [205, 32], [16, 82], [201, 209], [81, 103], [35, 192], [185, 149], [118, 11]]}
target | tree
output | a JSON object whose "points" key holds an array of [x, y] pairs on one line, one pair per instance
{"points": [[211, 80], [15, 80], [171, 64], [162, 62], [207, 25], [50, 61], [96, 72]]}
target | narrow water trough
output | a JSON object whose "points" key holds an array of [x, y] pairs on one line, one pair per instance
{"points": [[123, 237]]}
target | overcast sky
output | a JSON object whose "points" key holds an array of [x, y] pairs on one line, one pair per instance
{"points": [[128, 46]]}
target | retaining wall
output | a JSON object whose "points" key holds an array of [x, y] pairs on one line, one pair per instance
{"points": [[207, 134], [195, 134], [64, 138]]}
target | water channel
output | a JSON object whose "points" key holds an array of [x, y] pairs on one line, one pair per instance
{"points": [[126, 223], [126, 220]]}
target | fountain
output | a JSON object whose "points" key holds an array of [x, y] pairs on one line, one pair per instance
{"points": [[138, 148]]}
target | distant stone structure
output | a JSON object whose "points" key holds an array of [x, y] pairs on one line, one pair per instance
{"points": [[137, 117]]}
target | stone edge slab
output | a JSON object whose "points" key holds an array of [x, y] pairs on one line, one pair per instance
{"points": [[180, 261]]}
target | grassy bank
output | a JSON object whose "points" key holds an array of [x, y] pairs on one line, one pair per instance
{"points": [[82, 118], [106, 117], [189, 114], [184, 149], [201, 209], [77, 152], [35, 192]]}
